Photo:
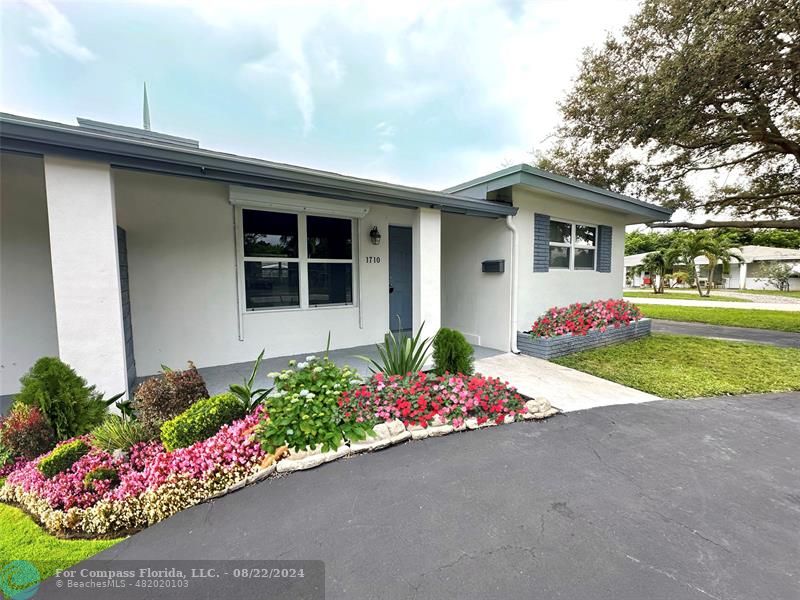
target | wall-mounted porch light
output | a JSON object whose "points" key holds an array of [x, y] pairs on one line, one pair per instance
{"points": [[375, 236]]}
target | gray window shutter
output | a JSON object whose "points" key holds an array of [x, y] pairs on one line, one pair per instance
{"points": [[541, 243], [604, 248]]}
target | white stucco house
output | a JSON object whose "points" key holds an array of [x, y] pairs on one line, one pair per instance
{"points": [[747, 273], [123, 249]]}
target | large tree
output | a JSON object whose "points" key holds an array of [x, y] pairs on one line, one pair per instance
{"points": [[693, 87]]}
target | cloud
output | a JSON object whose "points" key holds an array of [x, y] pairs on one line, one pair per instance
{"points": [[57, 34], [386, 147], [385, 129]]}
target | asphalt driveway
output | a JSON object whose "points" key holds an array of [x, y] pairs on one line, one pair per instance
{"points": [[787, 339], [666, 500]]}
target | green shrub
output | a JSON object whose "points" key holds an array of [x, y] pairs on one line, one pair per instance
{"points": [[100, 474], [6, 457], [452, 353], [70, 405], [117, 433], [201, 420], [400, 355], [304, 410], [62, 458], [160, 398], [25, 432]]}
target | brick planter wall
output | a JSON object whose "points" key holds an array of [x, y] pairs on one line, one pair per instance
{"points": [[553, 347]]}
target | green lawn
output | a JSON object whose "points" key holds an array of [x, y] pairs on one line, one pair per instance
{"points": [[683, 296], [22, 539], [676, 366], [779, 320]]}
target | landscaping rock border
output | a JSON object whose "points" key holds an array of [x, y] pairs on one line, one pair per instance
{"points": [[552, 347]]}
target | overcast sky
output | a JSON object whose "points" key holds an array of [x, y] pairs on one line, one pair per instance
{"points": [[421, 93]]}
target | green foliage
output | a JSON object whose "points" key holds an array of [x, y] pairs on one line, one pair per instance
{"points": [[100, 474], [673, 366], [452, 353], [62, 457], [118, 433], [686, 88], [777, 275], [248, 396], [70, 406], [160, 398], [304, 408], [201, 420], [400, 355], [6, 457]]}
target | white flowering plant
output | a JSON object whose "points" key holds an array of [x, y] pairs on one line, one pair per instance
{"points": [[304, 409]]}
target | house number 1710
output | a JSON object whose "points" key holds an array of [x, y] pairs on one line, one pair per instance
{"points": [[373, 259]]}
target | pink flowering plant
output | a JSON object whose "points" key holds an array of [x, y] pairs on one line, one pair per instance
{"points": [[418, 398], [582, 317], [148, 466]]}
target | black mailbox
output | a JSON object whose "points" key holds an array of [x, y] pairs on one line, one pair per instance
{"points": [[493, 266]]}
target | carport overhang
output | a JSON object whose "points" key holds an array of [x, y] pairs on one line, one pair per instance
{"points": [[158, 154], [497, 187]]}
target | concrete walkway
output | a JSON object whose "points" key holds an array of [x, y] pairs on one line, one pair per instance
{"points": [[565, 388], [718, 304], [678, 500], [785, 339]]}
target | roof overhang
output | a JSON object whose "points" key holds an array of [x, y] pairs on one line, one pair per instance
{"points": [[564, 187], [32, 136]]}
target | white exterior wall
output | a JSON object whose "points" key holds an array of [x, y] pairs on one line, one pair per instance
{"points": [[27, 310], [86, 285], [561, 287], [476, 303], [427, 236], [183, 269]]}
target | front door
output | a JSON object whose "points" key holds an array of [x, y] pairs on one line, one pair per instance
{"points": [[400, 282]]}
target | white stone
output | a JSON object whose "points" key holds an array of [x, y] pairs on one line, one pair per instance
{"points": [[471, 423], [422, 433], [508, 419], [382, 431], [395, 427], [261, 474], [438, 421], [312, 460]]}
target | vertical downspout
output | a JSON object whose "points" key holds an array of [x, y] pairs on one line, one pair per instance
{"points": [[513, 302]]}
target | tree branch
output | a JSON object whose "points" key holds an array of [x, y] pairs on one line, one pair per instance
{"points": [[777, 224]]}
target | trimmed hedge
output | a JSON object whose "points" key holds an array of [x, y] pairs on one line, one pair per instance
{"points": [[452, 353], [100, 474], [201, 420], [62, 458]]}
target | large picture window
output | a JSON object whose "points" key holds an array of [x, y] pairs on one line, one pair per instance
{"points": [[572, 245], [296, 261]]}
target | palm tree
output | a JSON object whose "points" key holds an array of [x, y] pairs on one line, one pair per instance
{"points": [[717, 251], [657, 264]]}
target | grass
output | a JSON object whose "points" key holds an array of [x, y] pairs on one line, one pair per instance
{"points": [[22, 539], [683, 296], [778, 320], [676, 366]]}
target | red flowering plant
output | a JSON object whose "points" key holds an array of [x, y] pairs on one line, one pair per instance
{"points": [[582, 317], [417, 398], [147, 467], [25, 432]]}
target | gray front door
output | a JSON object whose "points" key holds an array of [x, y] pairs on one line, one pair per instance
{"points": [[122, 247], [400, 283]]}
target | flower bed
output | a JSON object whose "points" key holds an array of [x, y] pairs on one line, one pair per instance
{"points": [[581, 326], [152, 483], [100, 493]]}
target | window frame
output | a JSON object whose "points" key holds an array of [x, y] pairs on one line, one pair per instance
{"points": [[302, 259], [573, 245]]}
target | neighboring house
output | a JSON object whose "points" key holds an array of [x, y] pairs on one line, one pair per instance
{"points": [[125, 249], [747, 273]]}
